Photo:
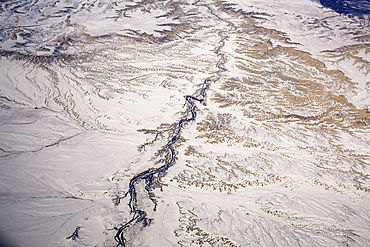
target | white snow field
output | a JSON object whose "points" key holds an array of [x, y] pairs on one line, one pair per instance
{"points": [[183, 123]]}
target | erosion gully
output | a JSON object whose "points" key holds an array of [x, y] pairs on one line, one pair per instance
{"points": [[152, 175]]}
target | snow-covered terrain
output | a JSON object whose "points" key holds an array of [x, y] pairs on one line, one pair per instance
{"points": [[184, 123]]}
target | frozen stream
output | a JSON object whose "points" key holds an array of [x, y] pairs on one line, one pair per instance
{"points": [[184, 123]]}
